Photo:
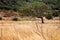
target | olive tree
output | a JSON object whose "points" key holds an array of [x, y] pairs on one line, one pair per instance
{"points": [[35, 9]]}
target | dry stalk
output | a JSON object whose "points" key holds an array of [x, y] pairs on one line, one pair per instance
{"points": [[41, 30]]}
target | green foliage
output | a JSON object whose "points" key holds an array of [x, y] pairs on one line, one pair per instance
{"points": [[55, 14], [23, 19], [31, 7], [54, 4], [16, 4], [58, 4], [35, 9], [49, 16], [8, 4]]}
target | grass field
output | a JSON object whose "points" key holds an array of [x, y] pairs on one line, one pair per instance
{"points": [[30, 30]]}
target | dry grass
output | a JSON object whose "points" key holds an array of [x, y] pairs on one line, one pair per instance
{"points": [[30, 30]]}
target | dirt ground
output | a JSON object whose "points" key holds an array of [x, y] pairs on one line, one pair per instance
{"points": [[30, 30]]}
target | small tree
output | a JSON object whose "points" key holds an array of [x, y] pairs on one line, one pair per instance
{"points": [[35, 9]]}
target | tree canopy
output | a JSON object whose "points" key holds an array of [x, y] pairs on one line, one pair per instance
{"points": [[30, 6]]}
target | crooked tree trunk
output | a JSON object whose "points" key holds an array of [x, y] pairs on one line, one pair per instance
{"points": [[42, 20]]}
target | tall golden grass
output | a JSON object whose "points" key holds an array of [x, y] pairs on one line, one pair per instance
{"points": [[30, 30]]}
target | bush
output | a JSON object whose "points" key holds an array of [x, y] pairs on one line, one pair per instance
{"points": [[0, 18], [15, 19], [49, 16], [55, 14]]}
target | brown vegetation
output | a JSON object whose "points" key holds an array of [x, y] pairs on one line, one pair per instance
{"points": [[6, 13]]}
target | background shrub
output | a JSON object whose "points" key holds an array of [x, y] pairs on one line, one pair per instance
{"points": [[0, 18], [56, 14], [15, 19], [49, 16]]}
